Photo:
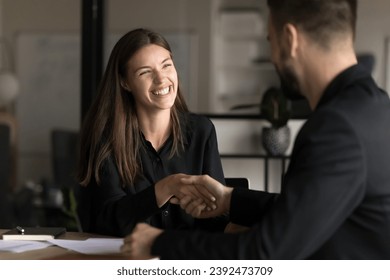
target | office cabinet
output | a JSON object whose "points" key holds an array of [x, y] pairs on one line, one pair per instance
{"points": [[241, 66]]}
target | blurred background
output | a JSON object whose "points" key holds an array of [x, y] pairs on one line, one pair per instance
{"points": [[53, 53]]}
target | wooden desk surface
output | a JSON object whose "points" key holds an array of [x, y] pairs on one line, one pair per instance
{"points": [[59, 253]]}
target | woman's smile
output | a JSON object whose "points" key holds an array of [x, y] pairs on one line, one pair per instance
{"points": [[163, 91]]}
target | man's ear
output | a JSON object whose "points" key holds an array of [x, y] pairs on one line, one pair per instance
{"points": [[291, 34]]}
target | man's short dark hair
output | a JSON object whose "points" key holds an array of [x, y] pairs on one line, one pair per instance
{"points": [[320, 19]]}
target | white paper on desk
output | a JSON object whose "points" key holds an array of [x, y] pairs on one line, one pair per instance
{"points": [[20, 246], [91, 246]]}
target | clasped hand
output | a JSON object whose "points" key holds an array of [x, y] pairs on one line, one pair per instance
{"points": [[202, 196]]}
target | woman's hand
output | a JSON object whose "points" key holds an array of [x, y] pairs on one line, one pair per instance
{"points": [[196, 207], [174, 186]]}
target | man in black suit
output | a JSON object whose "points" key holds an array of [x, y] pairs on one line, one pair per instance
{"points": [[335, 198]]}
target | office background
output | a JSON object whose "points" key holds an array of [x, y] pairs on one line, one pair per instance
{"points": [[43, 37]]}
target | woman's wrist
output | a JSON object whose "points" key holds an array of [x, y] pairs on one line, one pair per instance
{"points": [[163, 192]]}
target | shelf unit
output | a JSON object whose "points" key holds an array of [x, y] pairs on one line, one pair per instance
{"points": [[265, 158], [241, 66]]}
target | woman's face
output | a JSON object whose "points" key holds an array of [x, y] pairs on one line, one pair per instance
{"points": [[152, 79]]}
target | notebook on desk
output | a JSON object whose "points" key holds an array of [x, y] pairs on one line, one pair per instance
{"points": [[34, 233]]}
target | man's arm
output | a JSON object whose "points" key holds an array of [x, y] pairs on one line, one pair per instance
{"points": [[245, 207], [323, 186]]}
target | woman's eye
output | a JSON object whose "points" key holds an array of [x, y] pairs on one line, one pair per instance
{"points": [[167, 65], [144, 72]]}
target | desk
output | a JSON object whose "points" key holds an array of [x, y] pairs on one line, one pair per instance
{"points": [[59, 253]]}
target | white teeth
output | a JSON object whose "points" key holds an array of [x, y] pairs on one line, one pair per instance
{"points": [[161, 91]]}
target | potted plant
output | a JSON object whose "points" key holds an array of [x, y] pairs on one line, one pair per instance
{"points": [[275, 108]]}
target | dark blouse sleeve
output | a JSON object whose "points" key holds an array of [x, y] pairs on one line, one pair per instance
{"points": [[114, 211]]}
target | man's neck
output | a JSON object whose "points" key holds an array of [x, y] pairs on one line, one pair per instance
{"points": [[321, 69]]}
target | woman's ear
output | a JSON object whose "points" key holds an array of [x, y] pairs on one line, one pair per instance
{"points": [[291, 35], [124, 86]]}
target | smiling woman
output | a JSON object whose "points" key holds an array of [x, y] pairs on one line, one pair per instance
{"points": [[152, 79], [137, 137]]}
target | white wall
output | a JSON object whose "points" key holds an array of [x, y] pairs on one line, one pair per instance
{"points": [[20, 18], [373, 27]]}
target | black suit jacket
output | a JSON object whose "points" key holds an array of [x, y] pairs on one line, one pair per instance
{"points": [[335, 198]]}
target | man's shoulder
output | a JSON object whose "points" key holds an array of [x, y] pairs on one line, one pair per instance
{"points": [[360, 103]]}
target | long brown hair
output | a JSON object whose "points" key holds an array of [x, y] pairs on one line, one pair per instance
{"points": [[111, 126]]}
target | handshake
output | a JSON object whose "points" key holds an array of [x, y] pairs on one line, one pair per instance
{"points": [[199, 196]]}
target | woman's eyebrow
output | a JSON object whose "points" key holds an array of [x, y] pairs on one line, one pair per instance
{"points": [[148, 67], [165, 60], [141, 68]]}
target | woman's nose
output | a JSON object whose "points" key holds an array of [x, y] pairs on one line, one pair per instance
{"points": [[159, 77]]}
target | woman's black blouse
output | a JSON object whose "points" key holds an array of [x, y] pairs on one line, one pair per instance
{"points": [[114, 210]]}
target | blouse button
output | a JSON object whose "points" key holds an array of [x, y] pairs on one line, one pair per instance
{"points": [[165, 213]]}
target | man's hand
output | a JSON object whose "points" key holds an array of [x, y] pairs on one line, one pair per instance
{"points": [[196, 207], [235, 228], [172, 186], [138, 244]]}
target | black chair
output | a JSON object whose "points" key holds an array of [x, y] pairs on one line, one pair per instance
{"points": [[7, 215], [64, 156], [237, 182], [5, 154], [64, 162]]}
